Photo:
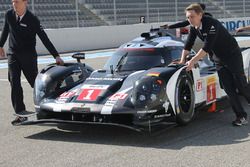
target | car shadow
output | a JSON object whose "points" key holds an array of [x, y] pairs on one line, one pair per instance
{"points": [[208, 129]]}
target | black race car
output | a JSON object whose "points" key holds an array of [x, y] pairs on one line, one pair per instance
{"points": [[139, 87]]}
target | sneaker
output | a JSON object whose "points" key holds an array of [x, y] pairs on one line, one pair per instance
{"points": [[240, 121], [248, 102], [18, 120]]}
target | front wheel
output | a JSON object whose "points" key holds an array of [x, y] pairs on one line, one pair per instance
{"points": [[184, 99]]}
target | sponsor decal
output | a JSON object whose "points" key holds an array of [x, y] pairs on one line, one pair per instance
{"points": [[166, 105], [212, 28], [109, 105], [87, 86], [65, 96], [153, 74], [118, 96], [199, 85], [67, 106], [146, 111], [23, 25], [80, 109], [60, 100], [104, 79], [211, 89], [234, 23], [162, 116]]}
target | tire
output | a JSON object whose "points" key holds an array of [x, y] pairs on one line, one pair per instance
{"points": [[185, 99]]}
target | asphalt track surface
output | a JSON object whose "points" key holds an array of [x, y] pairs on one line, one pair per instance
{"points": [[209, 141]]}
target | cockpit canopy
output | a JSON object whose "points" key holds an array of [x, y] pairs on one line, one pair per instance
{"points": [[134, 59]]}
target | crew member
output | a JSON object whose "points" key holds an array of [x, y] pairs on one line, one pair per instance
{"points": [[22, 26], [227, 57]]}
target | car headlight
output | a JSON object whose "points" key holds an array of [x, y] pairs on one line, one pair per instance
{"points": [[149, 92], [142, 98], [153, 97]]}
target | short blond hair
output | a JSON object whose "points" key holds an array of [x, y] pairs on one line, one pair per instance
{"points": [[195, 7]]}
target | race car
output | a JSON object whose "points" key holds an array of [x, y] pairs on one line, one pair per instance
{"points": [[139, 87]]}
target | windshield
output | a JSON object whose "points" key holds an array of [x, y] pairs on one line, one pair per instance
{"points": [[136, 59]]}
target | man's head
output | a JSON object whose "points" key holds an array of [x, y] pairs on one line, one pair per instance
{"points": [[19, 6], [194, 14]]}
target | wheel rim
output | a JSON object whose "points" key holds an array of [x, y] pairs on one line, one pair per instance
{"points": [[185, 96]]}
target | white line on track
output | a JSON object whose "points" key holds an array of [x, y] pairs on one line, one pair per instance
{"points": [[66, 57], [6, 80]]}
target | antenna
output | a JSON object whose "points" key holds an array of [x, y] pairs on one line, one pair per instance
{"points": [[111, 69]]}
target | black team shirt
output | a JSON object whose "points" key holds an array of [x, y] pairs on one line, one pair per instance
{"points": [[22, 35], [216, 39]]}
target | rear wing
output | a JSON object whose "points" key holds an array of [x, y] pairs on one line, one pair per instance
{"points": [[161, 32]]}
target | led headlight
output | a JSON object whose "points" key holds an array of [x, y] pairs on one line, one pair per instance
{"points": [[153, 97], [142, 98], [148, 92]]}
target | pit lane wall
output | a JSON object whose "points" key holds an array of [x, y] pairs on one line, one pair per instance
{"points": [[92, 38]]}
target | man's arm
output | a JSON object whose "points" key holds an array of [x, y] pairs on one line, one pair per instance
{"points": [[179, 24], [183, 56], [242, 29], [176, 25], [200, 55], [47, 43], [45, 40], [4, 36]]}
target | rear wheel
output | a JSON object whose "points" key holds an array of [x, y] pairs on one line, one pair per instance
{"points": [[185, 100]]}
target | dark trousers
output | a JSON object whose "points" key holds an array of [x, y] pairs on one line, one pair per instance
{"points": [[27, 63], [233, 80], [234, 83]]}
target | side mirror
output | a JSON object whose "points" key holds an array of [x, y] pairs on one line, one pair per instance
{"points": [[146, 35], [79, 57]]}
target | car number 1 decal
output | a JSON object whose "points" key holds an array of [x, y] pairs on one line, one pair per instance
{"points": [[89, 94], [211, 89]]}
